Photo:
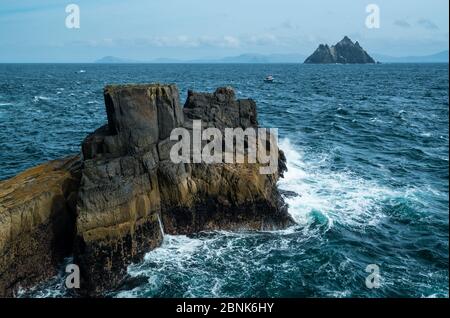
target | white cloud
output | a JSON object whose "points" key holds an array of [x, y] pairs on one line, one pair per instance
{"points": [[184, 41], [261, 39], [179, 41], [231, 41]]}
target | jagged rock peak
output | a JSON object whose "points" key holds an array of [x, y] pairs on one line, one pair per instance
{"points": [[345, 41], [344, 52]]}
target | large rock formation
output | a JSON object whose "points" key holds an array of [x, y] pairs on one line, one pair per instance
{"points": [[344, 52], [129, 183], [130, 189]]}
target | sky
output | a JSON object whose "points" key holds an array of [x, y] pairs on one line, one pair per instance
{"points": [[35, 30]]}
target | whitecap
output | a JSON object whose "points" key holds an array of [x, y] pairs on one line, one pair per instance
{"points": [[39, 98], [337, 196]]}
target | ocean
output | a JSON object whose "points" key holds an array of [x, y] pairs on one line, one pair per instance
{"points": [[367, 149]]}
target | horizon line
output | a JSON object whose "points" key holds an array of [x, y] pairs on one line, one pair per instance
{"points": [[219, 60]]}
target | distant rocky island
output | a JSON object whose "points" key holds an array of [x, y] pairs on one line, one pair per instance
{"points": [[343, 52]]}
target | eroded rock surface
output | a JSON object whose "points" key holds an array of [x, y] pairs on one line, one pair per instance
{"points": [[129, 183], [128, 188]]}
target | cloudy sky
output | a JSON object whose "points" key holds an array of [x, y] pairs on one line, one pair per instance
{"points": [[35, 30]]}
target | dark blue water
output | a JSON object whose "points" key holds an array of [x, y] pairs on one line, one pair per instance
{"points": [[367, 150]]}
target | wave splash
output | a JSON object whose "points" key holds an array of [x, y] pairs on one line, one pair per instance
{"points": [[215, 264], [296, 262], [337, 196]]}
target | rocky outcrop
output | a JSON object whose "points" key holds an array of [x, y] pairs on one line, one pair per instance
{"points": [[37, 223], [128, 188], [129, 184], [344, 52]]}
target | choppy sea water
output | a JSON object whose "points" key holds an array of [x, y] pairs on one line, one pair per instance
{"points": [[367, 149]]}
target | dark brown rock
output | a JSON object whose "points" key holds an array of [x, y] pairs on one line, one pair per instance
{"points": [[124, 193]]}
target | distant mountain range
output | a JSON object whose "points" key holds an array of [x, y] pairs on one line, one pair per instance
{"points": [[113, 59], [441, 57], [243, 58]]}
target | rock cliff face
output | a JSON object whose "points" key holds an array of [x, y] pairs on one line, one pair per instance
{"points": [[344, 52], [37, 223], [114, 207]]}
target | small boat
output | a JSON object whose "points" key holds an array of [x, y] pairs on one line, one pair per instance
{"points": [[81, 71], [269, 79]]}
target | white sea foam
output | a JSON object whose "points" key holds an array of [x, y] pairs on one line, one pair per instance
{"points": [[175, 253], [338, 196], [174, 249], [40, 98], [325, 196], [53, 288]]}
